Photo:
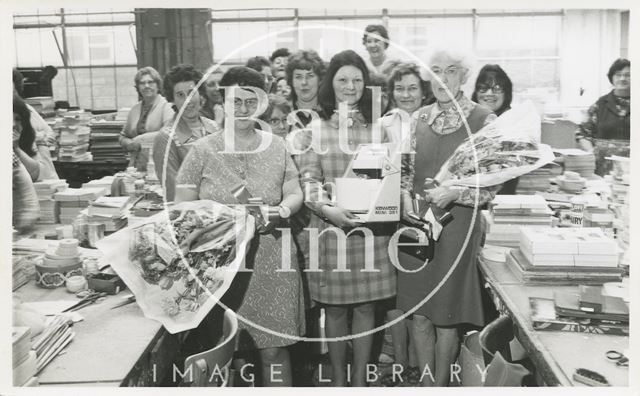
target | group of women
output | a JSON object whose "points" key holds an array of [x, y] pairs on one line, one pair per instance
{"points": [[271, 303]]}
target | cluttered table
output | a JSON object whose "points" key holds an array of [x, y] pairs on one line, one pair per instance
{"points": [[556, 354], [112, 346]]}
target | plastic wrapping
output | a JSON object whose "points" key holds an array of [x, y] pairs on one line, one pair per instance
{"points": [[179, 264], [507, 148]]}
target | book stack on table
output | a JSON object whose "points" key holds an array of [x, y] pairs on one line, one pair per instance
{"points": [[49, 210], [110, 211], [73, 200], [105, 140], [73, 140], [566, 256], [509, 213], [538, 180], [579, 161], [24, 359]]}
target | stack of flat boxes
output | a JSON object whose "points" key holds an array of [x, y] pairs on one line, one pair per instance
{"points": [[569, 247], [509, 213]]}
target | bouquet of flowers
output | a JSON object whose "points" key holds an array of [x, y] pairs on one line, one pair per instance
{"points": [[507, 148], [181, 261]]}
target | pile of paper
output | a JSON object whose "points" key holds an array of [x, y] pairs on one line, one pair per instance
{"points": [[24, 359], [104, 182], [569, 247], [73, 200], [73, 140], [110, 211], [509, 213], [49, 210], [105, 140], [538, 180], [619, 181], [578, 161]]}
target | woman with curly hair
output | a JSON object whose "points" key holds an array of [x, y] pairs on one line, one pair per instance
{"points": [[172, 144]]}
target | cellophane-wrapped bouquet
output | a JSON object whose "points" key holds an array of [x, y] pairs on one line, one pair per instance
{"points": [[506, 148], [180, 262]]}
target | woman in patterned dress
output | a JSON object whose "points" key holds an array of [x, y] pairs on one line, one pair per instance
{"points": [[267, 296], [438, 132], [352, 289]]}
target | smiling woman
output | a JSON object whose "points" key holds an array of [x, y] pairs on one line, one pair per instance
{"points": [[146, 117], [180, 133]]}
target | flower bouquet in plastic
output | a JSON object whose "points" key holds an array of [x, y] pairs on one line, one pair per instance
{"points": [[507, 148], [179, 263]]}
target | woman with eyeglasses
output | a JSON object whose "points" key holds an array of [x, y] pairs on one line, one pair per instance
{"points": [[351, 291], [170, 150], [439, 130], [607, 131], [269, 298], [145, 117], [276, 115], [494, 90]]}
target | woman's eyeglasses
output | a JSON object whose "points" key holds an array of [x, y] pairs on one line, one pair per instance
{"points": [[277, 121], [146, 82], [251, 103], [496, 89]]}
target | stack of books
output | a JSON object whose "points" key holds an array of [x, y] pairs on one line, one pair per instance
{"points": [[73, 200], [105, 140], [579, 161], [538, 180], [49, 210], [565, 256], [74, 137], [24, 359], [110, 211], [509, 213]]}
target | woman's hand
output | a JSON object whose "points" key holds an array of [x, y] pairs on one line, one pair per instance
{"points": [[442, 196], [133, 146], [339, 217]]}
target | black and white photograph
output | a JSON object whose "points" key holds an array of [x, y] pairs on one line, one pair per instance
{"points": [[295, 195]]}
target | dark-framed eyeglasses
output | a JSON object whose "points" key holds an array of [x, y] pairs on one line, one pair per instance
{"points": [[496, 89]]}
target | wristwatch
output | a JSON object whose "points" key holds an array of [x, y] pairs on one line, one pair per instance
{"points": [[284, 211]]}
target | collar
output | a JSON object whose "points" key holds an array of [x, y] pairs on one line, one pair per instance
{"points": [[436, 110], [354, 117]]}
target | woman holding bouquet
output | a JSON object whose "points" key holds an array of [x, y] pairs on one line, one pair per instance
{"points": [[341, 291], [440, 129], [268, 296]]}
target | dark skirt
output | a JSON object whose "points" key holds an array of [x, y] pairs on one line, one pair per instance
{"points": [[458, 300]]}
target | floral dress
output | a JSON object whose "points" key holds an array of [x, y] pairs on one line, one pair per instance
{"points": [[267, 300]]}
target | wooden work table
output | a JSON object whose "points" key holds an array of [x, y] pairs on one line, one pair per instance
{"points": [[112, 347], [556, 354]]}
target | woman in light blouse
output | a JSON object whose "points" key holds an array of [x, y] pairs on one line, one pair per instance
{"points": [[438, 132], [146, 117]]}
